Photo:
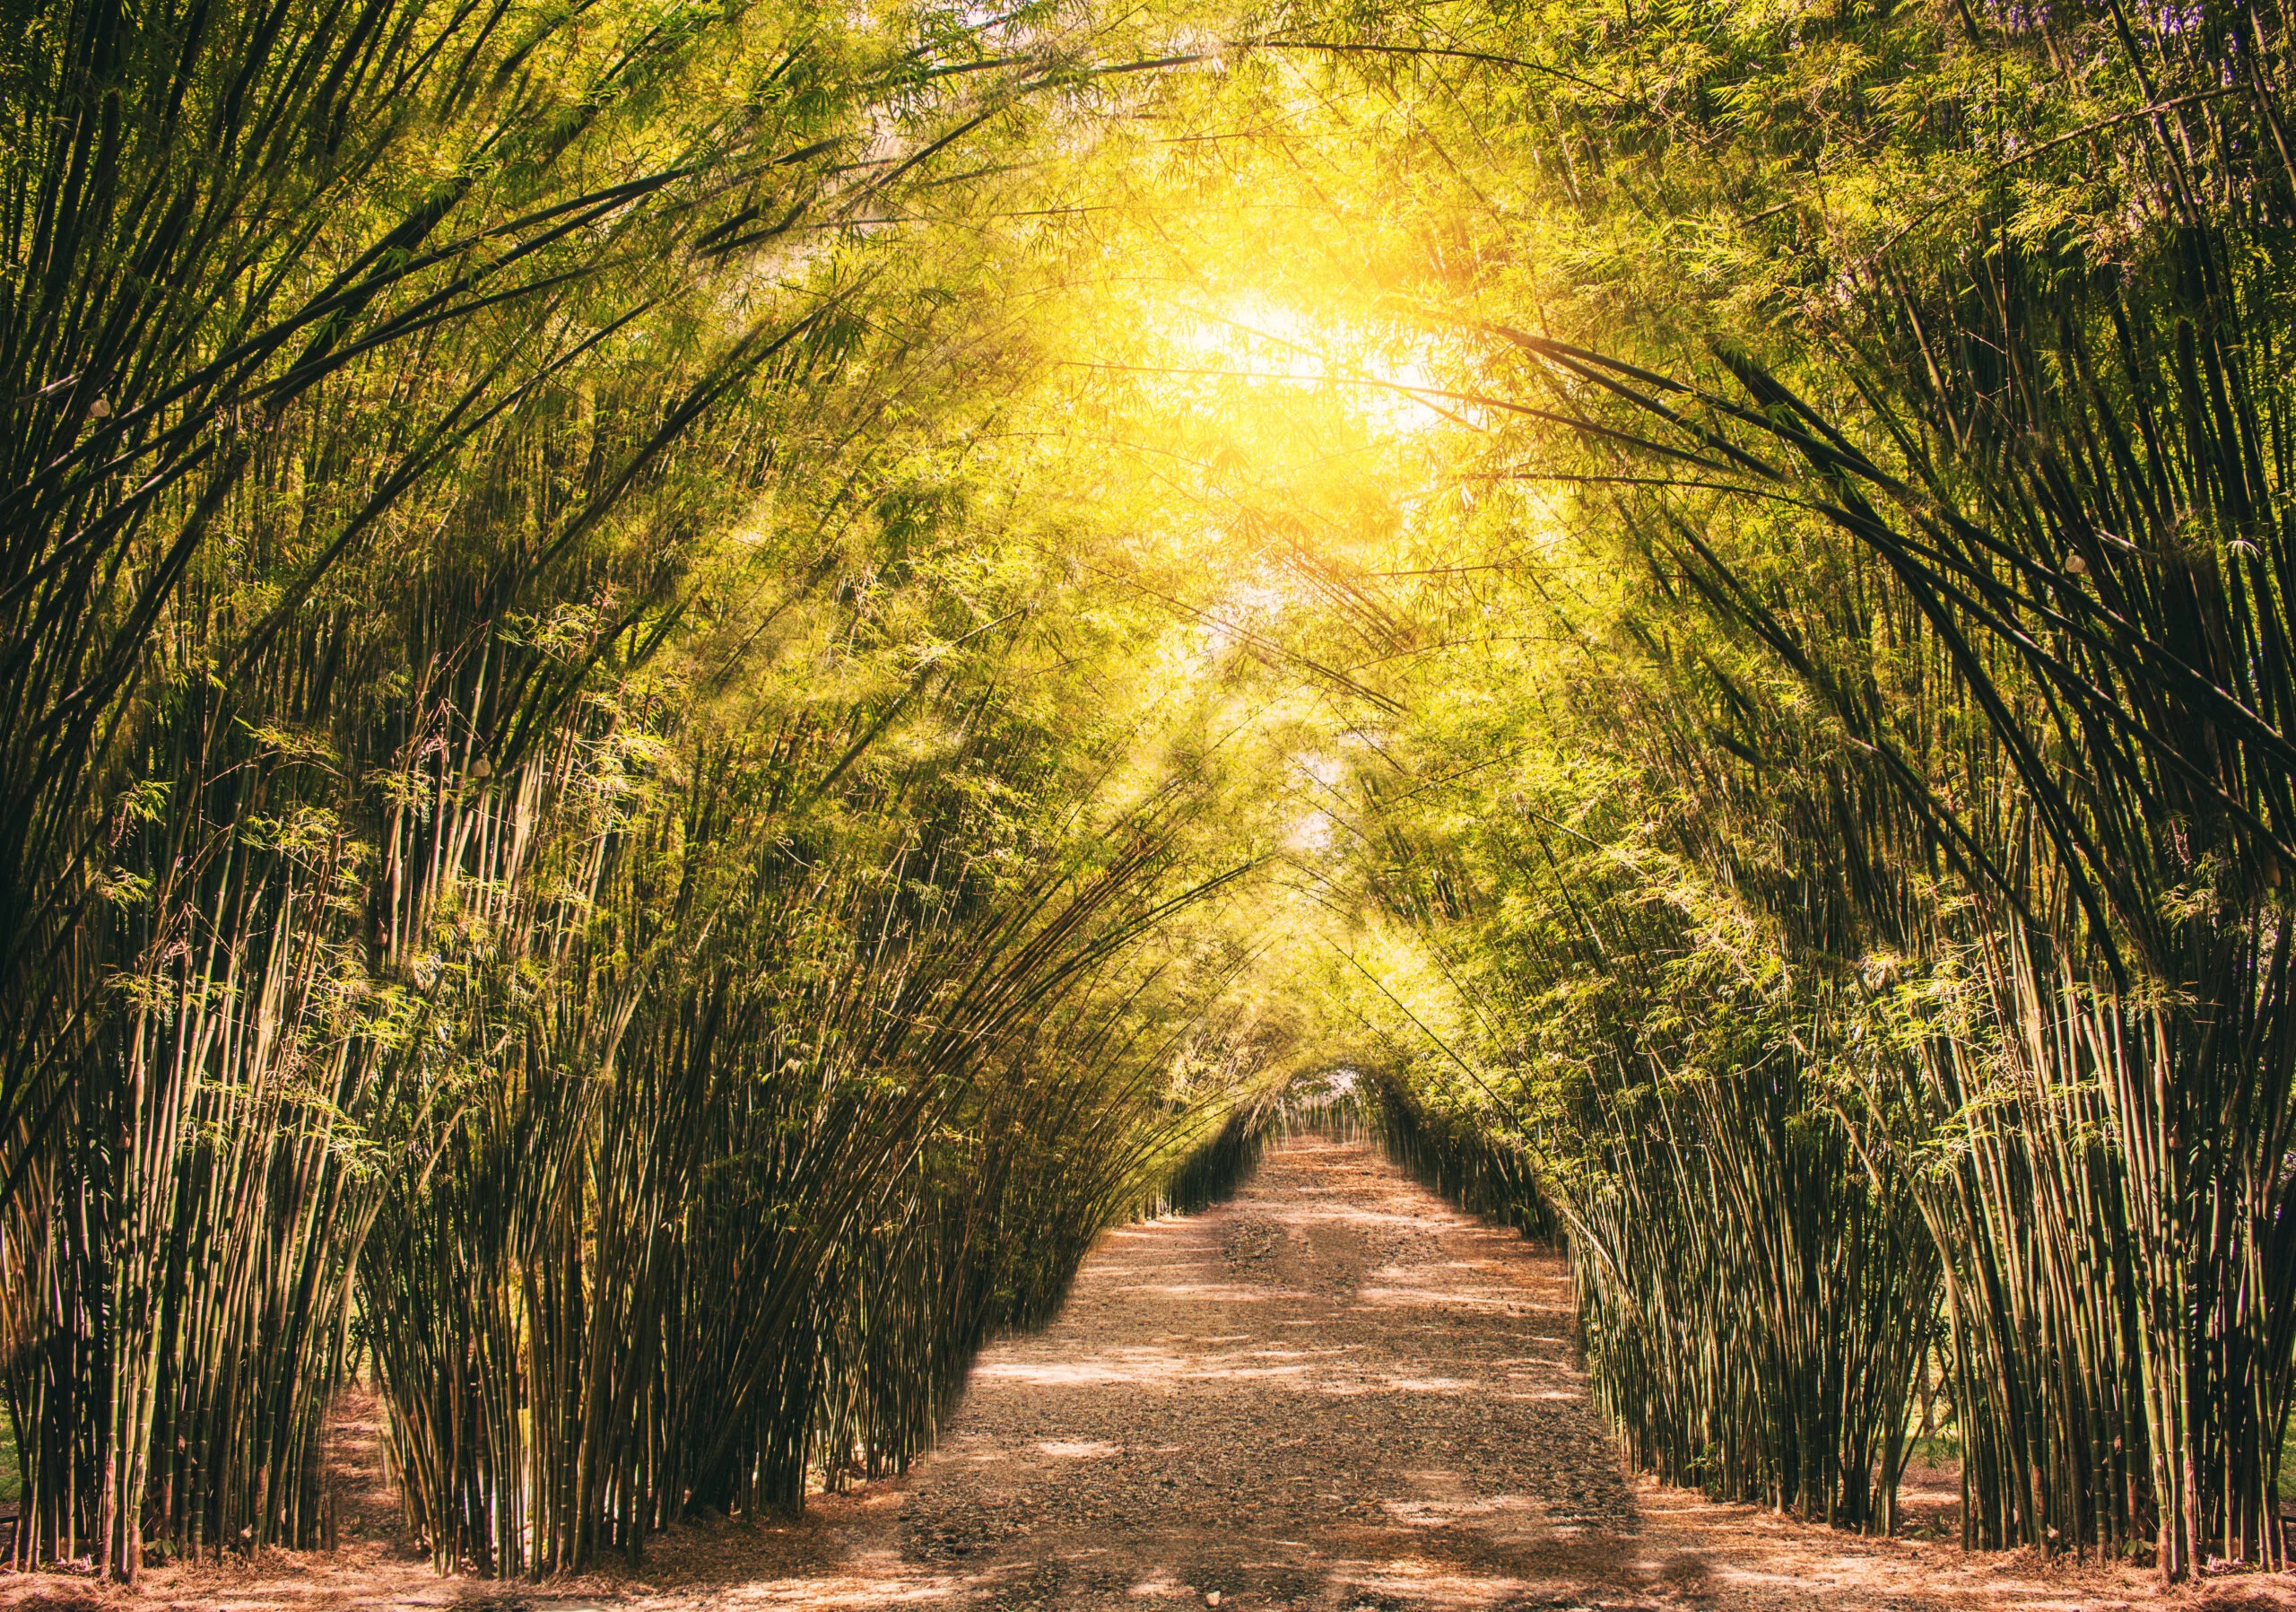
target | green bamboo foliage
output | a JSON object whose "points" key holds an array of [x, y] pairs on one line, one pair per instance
{"points": [[1484, 1173], [1756, 1290], [2037, 587], [748, 1249], [572, 841], [415, 954]]}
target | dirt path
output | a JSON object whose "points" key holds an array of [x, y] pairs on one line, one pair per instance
{"points": [[1331, 1393], [1335, 1393]]}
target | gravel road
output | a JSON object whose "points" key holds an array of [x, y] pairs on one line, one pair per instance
{"points": [[1331, 1391], [1335, 1393]]}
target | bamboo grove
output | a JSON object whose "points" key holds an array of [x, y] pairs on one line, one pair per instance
{"points": [[686, 686]]}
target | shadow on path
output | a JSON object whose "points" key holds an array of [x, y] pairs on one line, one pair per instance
{"points": [[1332, 1392]]}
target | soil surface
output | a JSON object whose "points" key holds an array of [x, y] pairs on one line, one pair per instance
{"points": [[1332, 1392]]}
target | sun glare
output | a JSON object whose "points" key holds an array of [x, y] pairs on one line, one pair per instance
{"points": [[1255, 338]]}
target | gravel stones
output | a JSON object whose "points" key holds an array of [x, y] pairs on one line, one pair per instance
{"points": [[1289, 1402]]}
